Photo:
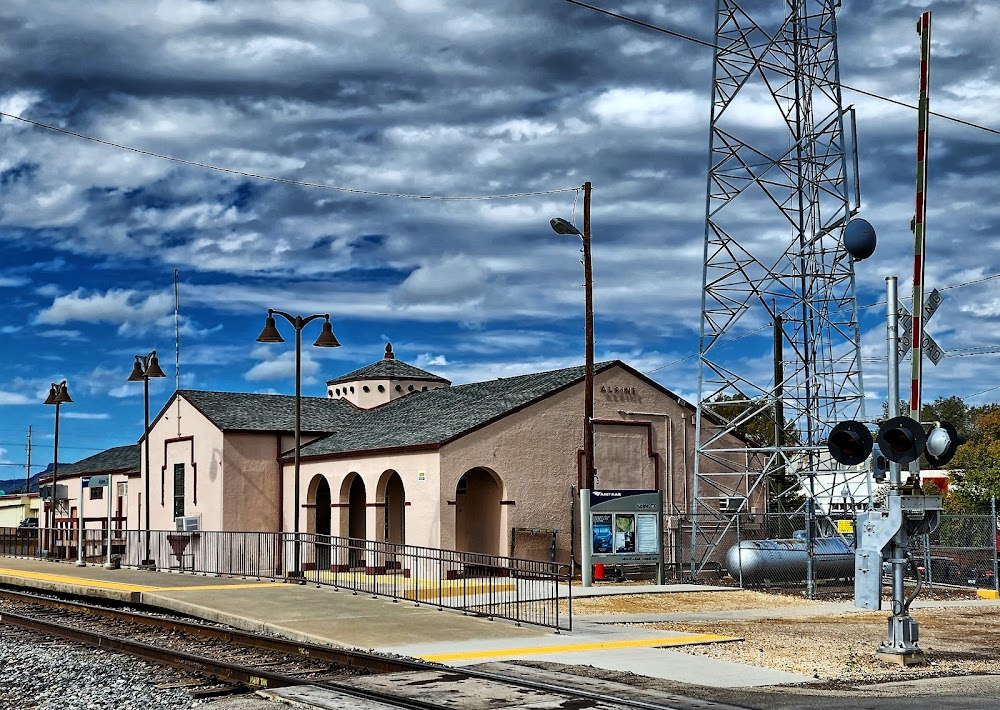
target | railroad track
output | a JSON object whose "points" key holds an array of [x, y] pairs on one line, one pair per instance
{"points": [[217, 660]]}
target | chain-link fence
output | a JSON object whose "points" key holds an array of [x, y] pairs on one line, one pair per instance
{"points": [[785, 551]]}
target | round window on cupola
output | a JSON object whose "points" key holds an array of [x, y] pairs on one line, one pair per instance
{"points": [[365, 388], [381, 388]]}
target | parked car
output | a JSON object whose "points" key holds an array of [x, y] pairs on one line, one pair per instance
{"points": [[27, 527], [979, 574]]}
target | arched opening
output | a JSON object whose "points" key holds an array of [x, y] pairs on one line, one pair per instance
{"points": [[323, 502], [477, 512], [393, 518], [356, 523], [318, 520]]}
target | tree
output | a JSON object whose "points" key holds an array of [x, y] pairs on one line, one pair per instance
{"points": [[976, 466]]}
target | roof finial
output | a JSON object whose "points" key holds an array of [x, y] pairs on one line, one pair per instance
{"points": [[388, 352]]}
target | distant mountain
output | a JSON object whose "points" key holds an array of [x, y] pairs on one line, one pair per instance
{"points": [[16, 485]]}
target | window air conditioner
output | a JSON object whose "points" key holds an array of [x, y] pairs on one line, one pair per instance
{"points": [[188, 523], [731, 505]]}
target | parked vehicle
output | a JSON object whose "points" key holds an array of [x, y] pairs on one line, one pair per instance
{"points": [[980, 575]]}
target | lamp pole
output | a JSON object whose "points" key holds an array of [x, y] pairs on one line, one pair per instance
{"points": [[58, 395], [561, 226], [145, 366], [326, 339]]}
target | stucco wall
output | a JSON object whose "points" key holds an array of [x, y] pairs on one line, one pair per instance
{"points": [[251, 486], [418, 471], [181, 436], [535, 453]]}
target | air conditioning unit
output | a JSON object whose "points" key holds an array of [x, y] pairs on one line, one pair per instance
{"points": [[731, 505], [188, 523]]}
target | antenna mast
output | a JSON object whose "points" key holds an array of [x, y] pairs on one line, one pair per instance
{"points": [[777, 282]]}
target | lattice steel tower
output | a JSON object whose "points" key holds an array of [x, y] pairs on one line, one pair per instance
{"points": [[779, 336]]}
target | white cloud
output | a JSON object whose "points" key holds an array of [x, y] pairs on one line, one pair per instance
{"points": [[131, 310], [15, 398]]}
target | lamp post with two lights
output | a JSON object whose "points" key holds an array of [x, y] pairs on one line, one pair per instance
{"points": [[58, 395], [145, 367], [326, 339]]}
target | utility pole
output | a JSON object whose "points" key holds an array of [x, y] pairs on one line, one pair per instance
{"points": [[27, 479], [920, 226]]}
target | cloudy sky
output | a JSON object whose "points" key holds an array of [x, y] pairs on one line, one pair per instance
{"points": [[356, 108]]}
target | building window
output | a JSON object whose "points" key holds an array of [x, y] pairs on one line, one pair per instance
{"points": [[424, 388], [381, 388], [399, 388], [365, 388], [352, 389], [338, 391], [178, 490], [329, 393], [97, 493], [410, 388]]}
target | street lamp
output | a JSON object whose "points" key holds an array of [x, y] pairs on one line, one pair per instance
{"points": [[561, 226], [145, 366], [58, 394], [326, 339]]}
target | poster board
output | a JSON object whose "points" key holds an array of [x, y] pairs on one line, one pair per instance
{"points": [[626, 527]]}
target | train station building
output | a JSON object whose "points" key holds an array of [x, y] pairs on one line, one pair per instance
{"points": [[395, 453]]}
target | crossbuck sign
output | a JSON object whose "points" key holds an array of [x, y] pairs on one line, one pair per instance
{"points": [[933, 351]]}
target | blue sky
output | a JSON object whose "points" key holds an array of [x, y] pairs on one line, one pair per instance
{"points": [[423, 97]]}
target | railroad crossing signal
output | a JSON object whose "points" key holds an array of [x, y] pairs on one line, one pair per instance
{"points": [[931, 349], [900, 440]]}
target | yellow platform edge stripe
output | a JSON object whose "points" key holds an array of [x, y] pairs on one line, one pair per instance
{"points": [[573, 647], [987, 594], [77, 581]]}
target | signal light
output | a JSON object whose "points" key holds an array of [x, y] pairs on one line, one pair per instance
{"points": [[942, 442], [850, 443], [901, 439]]}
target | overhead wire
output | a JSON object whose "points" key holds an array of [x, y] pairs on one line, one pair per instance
{"points": [[711, 45], [271, 178]]}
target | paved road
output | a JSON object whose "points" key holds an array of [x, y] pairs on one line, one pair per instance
{"points": [[956, 693]]}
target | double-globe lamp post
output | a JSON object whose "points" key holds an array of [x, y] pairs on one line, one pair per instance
{"points": [[58, 395], [326, 339], [562, 226], [145, 367]]}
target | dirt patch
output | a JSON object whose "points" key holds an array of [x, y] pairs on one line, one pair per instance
{"points": [[841, 649], [830, 645], [680, 602]]}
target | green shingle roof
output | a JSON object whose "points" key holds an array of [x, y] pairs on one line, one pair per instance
{"points": [[388, 369], [119, 458], [268, 412], [439, 415]]}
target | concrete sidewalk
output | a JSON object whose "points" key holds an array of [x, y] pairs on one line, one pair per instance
{"points": [[342, 618]]}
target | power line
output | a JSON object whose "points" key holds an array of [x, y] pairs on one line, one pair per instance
{"points": [[949, 353], [703, 43], [271, 178]]}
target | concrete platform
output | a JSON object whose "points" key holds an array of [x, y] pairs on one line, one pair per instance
{"points": [[342, 618]]}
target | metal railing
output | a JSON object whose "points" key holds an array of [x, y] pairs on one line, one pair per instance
{"points": [[492, 586]]}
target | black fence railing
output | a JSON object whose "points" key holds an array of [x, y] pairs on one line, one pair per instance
{"points": [[519, 590]]}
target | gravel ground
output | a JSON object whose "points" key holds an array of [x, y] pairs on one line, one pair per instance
{"points": [[836, 649], [50, 675]]}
